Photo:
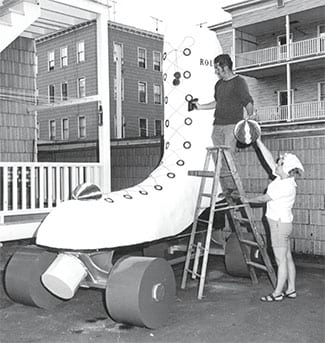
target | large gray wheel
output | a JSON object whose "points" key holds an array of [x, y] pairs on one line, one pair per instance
{"points": [[140, 291], [23, 277], [234, 260]]}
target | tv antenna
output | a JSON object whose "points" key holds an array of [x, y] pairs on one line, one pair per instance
{"points": [[201, 24], [157, 21]]}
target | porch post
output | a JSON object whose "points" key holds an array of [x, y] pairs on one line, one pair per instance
{"points": [[288, 67], [103, 94]]}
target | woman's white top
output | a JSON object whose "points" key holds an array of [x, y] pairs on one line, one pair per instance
{"points": [[283, 194]]}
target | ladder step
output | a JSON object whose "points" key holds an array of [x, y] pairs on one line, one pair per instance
{"points": [[191, 271], [252, 243], [202, 173], [257, 265], [203, 221], [206, 195], [228, 207]]}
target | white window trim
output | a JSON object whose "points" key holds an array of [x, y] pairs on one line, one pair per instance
{"points": [[79, 117], [48, 60], [153, 60], [52, 120], [61, 65], [145, 57], [156, 84], [146, 92], [78, 87], [62, 131], [77, 50], [147, 131]]}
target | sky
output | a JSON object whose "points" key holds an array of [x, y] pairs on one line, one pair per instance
{"points": [[175, 13]]}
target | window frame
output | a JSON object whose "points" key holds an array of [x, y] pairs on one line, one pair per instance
{"points": [[154, 61], [79, 88], [81, 52], [79, 127], [145, 58], [51, 99], [63, 58], [155, 94], [50, 67], [146, 128], [146, 92], [155, 128], [50, 130], [62, 129], [64, 98]]}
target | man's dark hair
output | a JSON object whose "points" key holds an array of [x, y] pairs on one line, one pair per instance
{"points": [[223, 60]]}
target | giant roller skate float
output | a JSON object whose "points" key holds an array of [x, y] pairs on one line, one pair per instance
{"points": [[76, 242]]}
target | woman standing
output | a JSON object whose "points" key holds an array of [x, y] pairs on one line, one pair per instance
{"points": [[279, 198]]}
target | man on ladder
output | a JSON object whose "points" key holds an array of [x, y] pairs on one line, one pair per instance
{"points": [[231, 97]]}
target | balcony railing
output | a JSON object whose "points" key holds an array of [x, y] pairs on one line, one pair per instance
{"points": [[276, 54], [38, 187], [300, 111]]}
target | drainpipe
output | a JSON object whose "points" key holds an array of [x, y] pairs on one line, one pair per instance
{"points": [[104, 138], [118, 48], [288, 67]]}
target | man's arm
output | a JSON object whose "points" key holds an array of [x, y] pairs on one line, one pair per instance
{"points": [[258, 199], [208, 106], [249, 111]]}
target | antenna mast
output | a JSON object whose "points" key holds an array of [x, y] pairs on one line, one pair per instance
{"points": [[157, 21]]}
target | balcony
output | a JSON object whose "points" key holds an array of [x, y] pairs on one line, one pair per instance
{"points": [[306, 111], [308, 48], [35, 188]]}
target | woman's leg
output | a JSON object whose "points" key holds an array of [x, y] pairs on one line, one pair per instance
{"points": [[280, 254], [291, 271]]}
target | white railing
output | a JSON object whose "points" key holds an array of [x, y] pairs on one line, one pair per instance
{"points": [[277, 54], [38, 187], [300, 111]]}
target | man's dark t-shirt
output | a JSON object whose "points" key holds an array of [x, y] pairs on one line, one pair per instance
{"points": [[231, 96]]}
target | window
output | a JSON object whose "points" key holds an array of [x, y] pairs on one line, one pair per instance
{"points": [[117, 49], [142, 92], [142, 57], [51, 94], [82, 127], [115, 89], [64, 91], [65, 129], [80, 51], [157, 94], [81, 87], [64, 56], [52, 130], [50, 58], [143, 127], [156, 61], [158, 126]]}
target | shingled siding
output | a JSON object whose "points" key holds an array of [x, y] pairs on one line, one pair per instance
{"points": [[309, 209], [17, 86]]}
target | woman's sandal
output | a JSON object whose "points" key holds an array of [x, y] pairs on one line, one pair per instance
{"points": [[291, 295], [271, 297]]}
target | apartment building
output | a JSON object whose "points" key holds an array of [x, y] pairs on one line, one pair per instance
{"points": [[67, 83], [279, 45]]}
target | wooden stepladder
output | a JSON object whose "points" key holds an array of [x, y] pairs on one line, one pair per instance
{"points": [[239, 214]]}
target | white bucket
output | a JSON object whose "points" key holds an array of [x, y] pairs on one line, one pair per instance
{"points": [[64, 276]]}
